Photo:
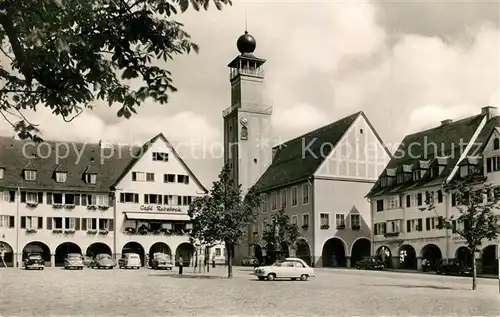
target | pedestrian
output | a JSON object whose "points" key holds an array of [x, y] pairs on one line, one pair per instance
{"points": [[180, 264], [213, 261]]}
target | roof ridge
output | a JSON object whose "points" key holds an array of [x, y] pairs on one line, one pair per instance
{"points": [[74, 142], [320, 128], [451, 123]]}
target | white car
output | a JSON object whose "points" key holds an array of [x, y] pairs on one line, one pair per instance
{"points": [[292, 268]]}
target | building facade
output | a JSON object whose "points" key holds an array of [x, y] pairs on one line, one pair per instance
{"points": [[405, 232], [64, 197]]}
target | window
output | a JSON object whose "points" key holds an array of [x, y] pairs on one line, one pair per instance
{"points": [[30, 175], [305, 220], [102, 200], [168, 178], [440, 196], [394, 226], [355, 222], [91, 224], [2, 172], [186, 200], [90, 178], [380, 205], [29, 222], [31, 198], [493, 164], [12, 196], [464, 170], [150, 177], [294, 196], [7, 221], [419, 199], [283, 198], [70, 223], [274, 201], [138, 177], [69, 199], [57, 223], [61, 177], [417, 175], [393, 202], [57, 198], [340, 221], [103, 224], [496, 144], [324, 220], [129, 198], [400, 178], [383, 182], [264, 202], [218, 252], [305, 194], [410, 225], [160, 156], [294, 220], [380, 228], [152, 199], [167, 199], [183, 179]]}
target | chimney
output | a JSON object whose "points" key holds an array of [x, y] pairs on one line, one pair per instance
{"points": [[445, 122], [489, 111]]}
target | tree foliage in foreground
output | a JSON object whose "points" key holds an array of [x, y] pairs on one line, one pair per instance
{"points": [[223, 214], [65, 54], [476, 202], [278, 233]]}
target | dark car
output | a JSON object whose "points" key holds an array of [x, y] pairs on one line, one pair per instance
{"points": [[34, 261], [370, 263], [162, 261], [454, 268], [250, 261]]}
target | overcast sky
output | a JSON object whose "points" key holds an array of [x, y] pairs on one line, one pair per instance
{"points": [[406, 65]]}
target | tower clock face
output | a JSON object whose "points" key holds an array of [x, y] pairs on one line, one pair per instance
{"points": [[244, 121]]}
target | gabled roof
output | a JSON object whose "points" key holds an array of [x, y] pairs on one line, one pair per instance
{"points": [[29, 167], [61, 169], [17, 155], [449, 139], [138, 154], [292, 164]]}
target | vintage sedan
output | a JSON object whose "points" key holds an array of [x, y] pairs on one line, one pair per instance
{"points": [[290, 268], [73, 261], [129, 260], [370, 263], [454, 268], [34, 261], [162, 261], [103, 261]]}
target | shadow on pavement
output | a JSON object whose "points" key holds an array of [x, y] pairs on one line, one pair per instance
{"points": [[190, 276], [419, 286]]}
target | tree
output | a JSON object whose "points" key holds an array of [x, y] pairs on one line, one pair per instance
{"points": [[476, 220], [65, 54], [223, 214], [280, 232]]}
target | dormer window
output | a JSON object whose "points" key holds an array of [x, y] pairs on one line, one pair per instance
{"points": [[383, 182], [90, 178], [496, 144], [464, 170], [400, 178], [2, 172], [417, 175], [30, 175], [61, 177], [160, 156]]}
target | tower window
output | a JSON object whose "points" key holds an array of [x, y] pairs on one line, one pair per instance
{"points": [[496, 144], [244, 133], [361, 131]]}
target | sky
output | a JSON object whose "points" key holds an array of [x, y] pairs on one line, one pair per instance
{"points": [[407, 65]]}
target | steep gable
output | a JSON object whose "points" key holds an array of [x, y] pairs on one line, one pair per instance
{"points": [[292, 163]]}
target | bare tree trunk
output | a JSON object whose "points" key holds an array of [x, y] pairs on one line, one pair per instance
{"points": [[474, 272], [229, 260]]}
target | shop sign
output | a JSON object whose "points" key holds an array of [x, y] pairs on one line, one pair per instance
{"points": [[159, 208], [425, 240]]}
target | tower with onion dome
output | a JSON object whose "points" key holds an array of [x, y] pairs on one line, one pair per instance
{"points": [[247, 121]]}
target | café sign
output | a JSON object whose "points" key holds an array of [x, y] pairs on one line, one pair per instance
{"points": [[159, 208]]}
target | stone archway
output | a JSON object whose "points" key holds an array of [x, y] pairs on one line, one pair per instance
{"points": [[134, 247], [384, 254], [333, 253], [37, 247], [360, 248], [463, 255], [186, 250], [8, 254], [63, 250], [98, 248], [489, 261], [432, 253], [407, 257], [303, 251]]}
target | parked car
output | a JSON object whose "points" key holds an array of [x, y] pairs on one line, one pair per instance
{"points": [[250, 261], [73, 261], [454, 268], [162, 261], [129, 260], [292, 268], [34, 261], [370, 263], [87, 260], [103, 261]]}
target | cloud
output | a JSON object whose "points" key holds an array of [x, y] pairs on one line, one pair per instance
{"points": [[325, 60]]}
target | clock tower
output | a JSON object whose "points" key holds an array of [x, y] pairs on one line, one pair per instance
{"points": [[247, 122]]}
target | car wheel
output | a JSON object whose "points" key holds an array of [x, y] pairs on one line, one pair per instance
{"points": [[304, 277], [41, 268], [271, 277]]}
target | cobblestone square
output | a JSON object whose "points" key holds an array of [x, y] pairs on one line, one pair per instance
{"points": [[145, 292]]}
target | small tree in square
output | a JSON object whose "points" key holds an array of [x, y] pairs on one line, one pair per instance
{"points": [[476, 220], [278, 233], [223, 215]]}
